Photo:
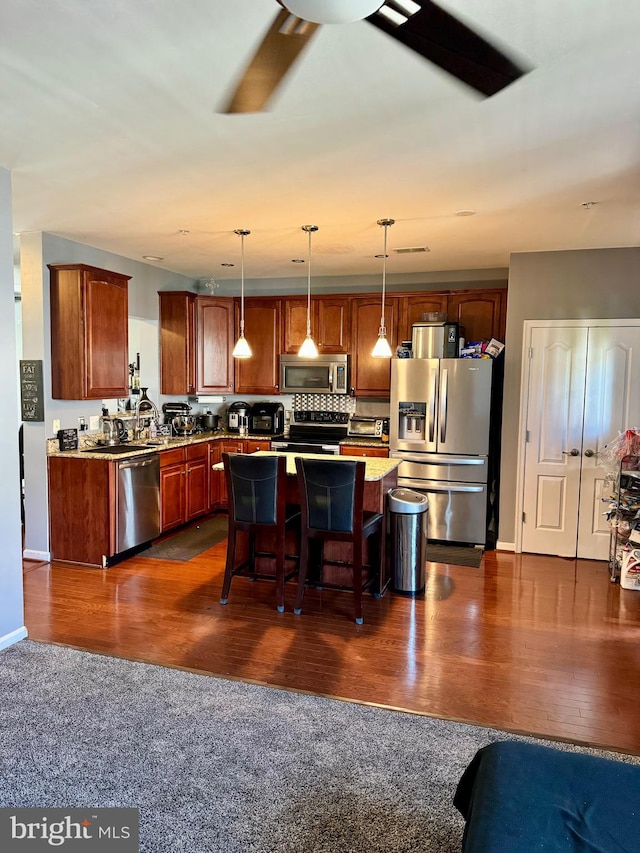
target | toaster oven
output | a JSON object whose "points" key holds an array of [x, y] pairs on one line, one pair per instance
{"points": [[363, 427]]}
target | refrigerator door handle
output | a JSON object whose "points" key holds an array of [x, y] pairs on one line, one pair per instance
{"points": [[437, 460], [435, 486], [444, 390], [432, 404]]}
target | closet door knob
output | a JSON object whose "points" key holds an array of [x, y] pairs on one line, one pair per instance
{"points": [[573, 452], [589, 453]]}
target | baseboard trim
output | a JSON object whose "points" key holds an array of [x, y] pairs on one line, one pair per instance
{"points": [[13, 637], [505, 546], [41, 556]]}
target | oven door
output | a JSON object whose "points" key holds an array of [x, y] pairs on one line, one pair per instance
{"points": [[300, 448]]}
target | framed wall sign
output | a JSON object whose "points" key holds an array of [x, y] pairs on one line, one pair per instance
{"points": [[31, 391]]}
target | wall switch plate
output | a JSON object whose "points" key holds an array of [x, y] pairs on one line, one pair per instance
{"points": [[56, 426], [94, 423]]}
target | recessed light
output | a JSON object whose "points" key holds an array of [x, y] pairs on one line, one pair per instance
{"points": [[184, 231], [152, 258], [227, 265], [588, 204], [465, 212], [297, 260]]}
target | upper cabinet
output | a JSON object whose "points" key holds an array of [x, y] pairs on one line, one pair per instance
{"points": [[89, 333], [411, 309], [371, 377], [177, 342], [482, 313], [214, 345], [330, 323], [196, 339], [263, 331]]}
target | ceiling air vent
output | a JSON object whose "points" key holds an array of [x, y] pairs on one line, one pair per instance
{"points": [[409, 249]]}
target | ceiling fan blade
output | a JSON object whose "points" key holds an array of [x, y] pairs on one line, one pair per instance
{"points": [[447, 42], [285, 39]]}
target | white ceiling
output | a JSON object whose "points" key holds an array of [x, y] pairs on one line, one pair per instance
{"points": [[111, 126]]}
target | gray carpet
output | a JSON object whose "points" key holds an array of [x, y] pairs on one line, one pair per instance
{"points": [[188, 543], [216, 765], [457, 555]]}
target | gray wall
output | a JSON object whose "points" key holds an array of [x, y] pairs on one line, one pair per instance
{"points": [[11, 610], [594, 284]]}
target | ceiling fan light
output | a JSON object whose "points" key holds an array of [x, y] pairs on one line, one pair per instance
{"points": [[308, 348], [332, 11], [242, 348], [381, 348]]}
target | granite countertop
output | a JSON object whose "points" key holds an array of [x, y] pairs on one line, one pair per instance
{"points": [[138, 447], [376, 468], [142, 446]]}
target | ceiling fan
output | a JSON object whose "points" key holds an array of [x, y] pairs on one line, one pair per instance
{"points": [[421, 25]]}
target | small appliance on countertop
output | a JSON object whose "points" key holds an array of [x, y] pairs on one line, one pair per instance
{"points": [[177, 414], [238, 416], [365, 427], [267, 418], [113, 431]]}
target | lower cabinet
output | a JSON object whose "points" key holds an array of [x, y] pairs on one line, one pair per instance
{"points": [[184, 485], [370, 452]]}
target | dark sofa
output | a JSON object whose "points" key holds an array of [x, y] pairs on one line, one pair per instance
{"points": [[518, 797]]}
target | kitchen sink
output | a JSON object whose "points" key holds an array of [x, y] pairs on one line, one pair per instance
{"points": [[118, 448]]}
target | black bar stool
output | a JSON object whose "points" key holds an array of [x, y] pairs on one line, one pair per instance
{"points": [[257, 504], [332, 496]]}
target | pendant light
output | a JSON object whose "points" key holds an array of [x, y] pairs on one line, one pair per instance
{"points": [[242, 348], [308, 348], [382, 348]]}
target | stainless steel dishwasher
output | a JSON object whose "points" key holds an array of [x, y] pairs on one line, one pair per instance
{"points": [[138, 500]]}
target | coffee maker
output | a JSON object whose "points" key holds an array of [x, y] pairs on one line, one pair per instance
{"points": [[238, 416]]}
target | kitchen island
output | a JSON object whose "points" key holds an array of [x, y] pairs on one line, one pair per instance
{"points": [[380, 476]]}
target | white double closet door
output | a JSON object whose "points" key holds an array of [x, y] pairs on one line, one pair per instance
{"points": [[582, 390]]}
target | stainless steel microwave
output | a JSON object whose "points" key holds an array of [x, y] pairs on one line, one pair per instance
{"points": [[326, 374]]}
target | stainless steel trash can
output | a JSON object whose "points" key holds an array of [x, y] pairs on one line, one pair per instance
{"points": [[408, 549]]}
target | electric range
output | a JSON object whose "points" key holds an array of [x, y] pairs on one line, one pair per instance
{"points": [[314, 432]]}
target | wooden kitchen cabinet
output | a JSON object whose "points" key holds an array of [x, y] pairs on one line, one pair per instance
{"points": [[89, 333], [482, 313], [184, 485], [177, 342], [214, 345], [196, 341], [82, 509], [371, 377], [260, 374], [330, 323], [411, 309], [367, 452]]}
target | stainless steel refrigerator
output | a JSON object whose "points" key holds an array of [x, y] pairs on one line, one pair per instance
{"points": [[440, 419]]}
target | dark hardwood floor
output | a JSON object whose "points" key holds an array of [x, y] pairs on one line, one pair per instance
{"points": [[525, 643]]}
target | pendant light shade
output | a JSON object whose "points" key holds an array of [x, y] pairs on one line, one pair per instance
{"points": [[308, 348], [242, 348], [382, 348]]}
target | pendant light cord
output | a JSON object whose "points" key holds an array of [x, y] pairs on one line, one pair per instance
{"points": [[385, 223], [242, 233], [309, 232]]}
